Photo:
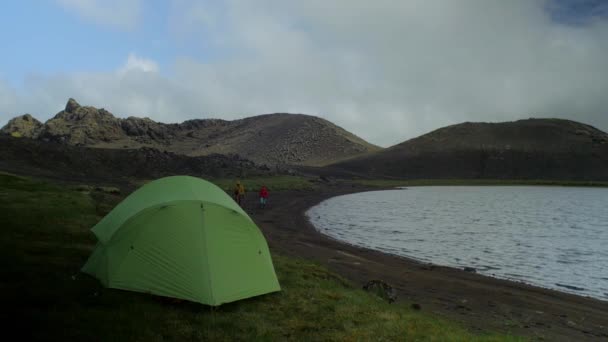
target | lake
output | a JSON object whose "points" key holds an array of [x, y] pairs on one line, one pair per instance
{"points": [[554, 237]]}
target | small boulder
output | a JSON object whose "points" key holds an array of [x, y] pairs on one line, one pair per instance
{"points": [[108, 190], [381, 289]]}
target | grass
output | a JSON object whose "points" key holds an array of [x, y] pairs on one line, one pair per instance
{"points": [[45, 240], [385, 183], [253, 184]]}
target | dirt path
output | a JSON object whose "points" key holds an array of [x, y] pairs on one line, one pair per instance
{"points": [[480, 303]]}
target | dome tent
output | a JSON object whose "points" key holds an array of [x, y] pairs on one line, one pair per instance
{"points": [[182, 237]]}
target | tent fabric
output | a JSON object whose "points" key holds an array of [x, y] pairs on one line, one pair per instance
{"points": [[182, 237]]}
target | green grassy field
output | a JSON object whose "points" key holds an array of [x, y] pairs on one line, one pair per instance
{"points": [[46, 239]]}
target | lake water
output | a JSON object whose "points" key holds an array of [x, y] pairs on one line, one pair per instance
{"points": [[554, 237]]}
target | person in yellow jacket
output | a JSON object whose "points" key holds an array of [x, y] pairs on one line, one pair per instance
{"points": [[239, 193]]}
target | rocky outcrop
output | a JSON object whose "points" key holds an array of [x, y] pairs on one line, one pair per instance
{"points": [[71, 106], [79, 125], [147, 131], [272, 139], [22, 126]]}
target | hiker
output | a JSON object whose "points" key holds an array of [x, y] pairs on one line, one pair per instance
{"points": [[235, 192], [263, 196], [239, 193]]}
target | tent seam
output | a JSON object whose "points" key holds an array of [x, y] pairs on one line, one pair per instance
{"points": [[206, 252], [119, 266], [163, 204]]}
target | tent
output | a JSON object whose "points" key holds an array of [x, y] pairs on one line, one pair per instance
{"points": [[185, 238]]}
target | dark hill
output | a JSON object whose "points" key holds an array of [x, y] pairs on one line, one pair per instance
{"points": [[79, 163], [524, 149], [273, 139]]}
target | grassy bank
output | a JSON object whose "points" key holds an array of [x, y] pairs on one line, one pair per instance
{"points": [[46, 239], [503, 182], [280, 183], [274, 183]]}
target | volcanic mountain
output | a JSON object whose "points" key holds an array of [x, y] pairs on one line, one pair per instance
{"points": [[272, 139], [524, 149]]}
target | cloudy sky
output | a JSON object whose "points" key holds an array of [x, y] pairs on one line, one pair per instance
{"points": [[387, 70]]}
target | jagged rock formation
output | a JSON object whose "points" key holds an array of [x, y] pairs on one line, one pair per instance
{"points": [[524, 149], [274, 139], [22, 126], [78, 125]]}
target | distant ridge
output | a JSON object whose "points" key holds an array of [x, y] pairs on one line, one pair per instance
{"points": [[86, 164], [272, 139], [524, 149]]}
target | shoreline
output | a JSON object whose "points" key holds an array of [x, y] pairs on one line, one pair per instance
{"points": [[559, 286], [479, 302]]}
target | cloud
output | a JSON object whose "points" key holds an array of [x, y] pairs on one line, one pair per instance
{"points": [[137, 63], [135, 88], [121, 14], [388, 71]]}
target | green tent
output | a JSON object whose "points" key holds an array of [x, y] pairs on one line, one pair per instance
{"points": [[182, 237]]}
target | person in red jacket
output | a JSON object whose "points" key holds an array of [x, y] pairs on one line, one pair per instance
{"points": [[263, 196]]}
